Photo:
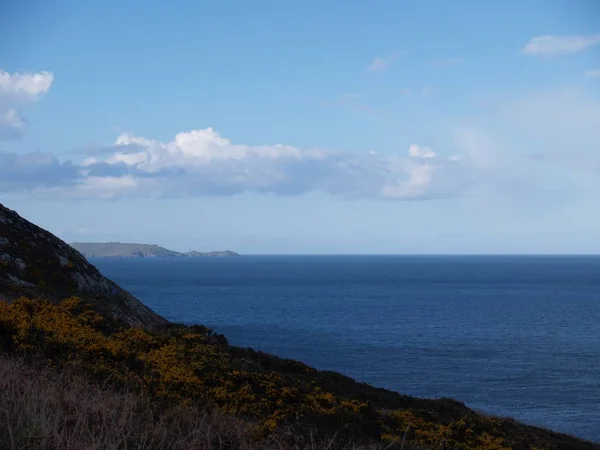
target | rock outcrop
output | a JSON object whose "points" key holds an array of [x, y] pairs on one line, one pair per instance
{"points": [[36, 264]]}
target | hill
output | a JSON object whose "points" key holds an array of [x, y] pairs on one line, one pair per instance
{"points": [[218, 253], [36, 264], [77, 374], [124, 250], [128, 250]]}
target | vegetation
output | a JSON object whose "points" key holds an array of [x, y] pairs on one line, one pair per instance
{"points": [[102, 384], [42, 408]]}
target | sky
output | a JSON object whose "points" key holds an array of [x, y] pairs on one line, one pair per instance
{"points": [[338, 127]]}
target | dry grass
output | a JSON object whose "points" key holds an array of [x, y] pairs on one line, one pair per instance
{"points": [[41, 408]]}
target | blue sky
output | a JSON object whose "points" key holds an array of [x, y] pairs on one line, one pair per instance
{"points": [[313, 127]]}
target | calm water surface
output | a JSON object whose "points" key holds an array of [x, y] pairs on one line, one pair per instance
{"points": [[512, 336]]}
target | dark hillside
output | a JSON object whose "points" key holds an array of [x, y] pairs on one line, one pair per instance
{"points": [[36, 264]]}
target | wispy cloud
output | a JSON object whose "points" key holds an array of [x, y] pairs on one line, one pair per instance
{"points": [[576, 160], [551, 45], [447, 62], [563, 119], [12, 125], [16, 91], [545, 142], [353, 101], [381, 63], [350, 97], [203, 163], [407, 92], [594, 73]]}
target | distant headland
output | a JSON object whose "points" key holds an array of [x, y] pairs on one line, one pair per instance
{"points": [[125, 250]]}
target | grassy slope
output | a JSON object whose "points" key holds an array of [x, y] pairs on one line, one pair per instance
{"points": [[42, 408], [191, 367]]}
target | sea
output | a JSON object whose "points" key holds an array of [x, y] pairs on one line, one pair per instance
{"points": [[512, 336]]}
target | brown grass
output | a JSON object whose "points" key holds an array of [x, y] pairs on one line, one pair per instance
{"points": [[41, 408]]}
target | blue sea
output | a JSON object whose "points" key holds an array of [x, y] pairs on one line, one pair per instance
{"points": [[514, 336]]}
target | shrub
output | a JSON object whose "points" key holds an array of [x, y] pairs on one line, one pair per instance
{"points": [[194, 369]]}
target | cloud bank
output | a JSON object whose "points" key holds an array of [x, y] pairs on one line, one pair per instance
{"points": [[17, 90], [203, 163]]}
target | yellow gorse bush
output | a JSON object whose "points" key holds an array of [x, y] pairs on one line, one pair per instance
{"points": [[188, 364], [456, 435]]}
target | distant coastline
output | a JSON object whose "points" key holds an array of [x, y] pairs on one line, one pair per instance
{"points": [[129, 250]]}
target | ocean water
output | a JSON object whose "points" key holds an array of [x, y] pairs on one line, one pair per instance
{"points": [[511, 336]]}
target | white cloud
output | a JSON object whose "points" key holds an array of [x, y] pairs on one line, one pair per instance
{"points": [[414, 151], [16, 90], [381, 63], [25, 85], [12, 125], [108, 187], [203, 163], [550, 45], [594, 73]]}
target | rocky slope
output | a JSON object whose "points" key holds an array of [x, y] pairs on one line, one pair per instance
{"points": [[127, 250], [37, 264]]}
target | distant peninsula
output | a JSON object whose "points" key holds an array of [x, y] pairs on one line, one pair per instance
{"points": [[125, 250]]}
